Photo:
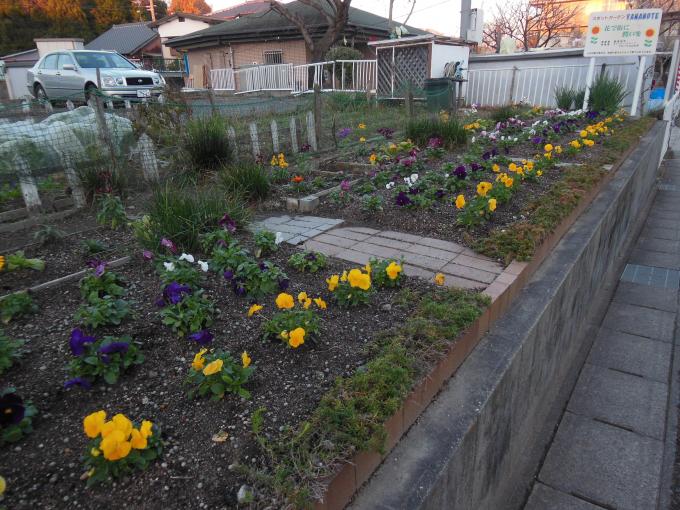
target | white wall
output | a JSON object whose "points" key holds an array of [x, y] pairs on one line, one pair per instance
{"points": [[47, 45], [175, 28], [442, 54], [16, 82]]}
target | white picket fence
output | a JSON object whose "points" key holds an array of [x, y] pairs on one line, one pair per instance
{"points": [[339, 75], [536, 85]]}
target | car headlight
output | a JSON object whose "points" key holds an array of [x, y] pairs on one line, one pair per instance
{"points": [[156, 80], [110, 81]]}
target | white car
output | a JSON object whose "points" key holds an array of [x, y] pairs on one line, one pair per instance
{"points": [[72, 74]]}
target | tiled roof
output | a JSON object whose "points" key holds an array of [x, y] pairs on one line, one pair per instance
{"points": [[250, 7], [125, 39]]}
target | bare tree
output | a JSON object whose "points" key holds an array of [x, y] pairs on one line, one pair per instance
{"points": [[336, 14], [391, 12], [532, 24]]}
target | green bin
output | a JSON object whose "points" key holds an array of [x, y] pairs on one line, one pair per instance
{"points": [[439, 93]]}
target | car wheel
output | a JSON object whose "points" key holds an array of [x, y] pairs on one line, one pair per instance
{"points": [[90, 92], [40, 93]]}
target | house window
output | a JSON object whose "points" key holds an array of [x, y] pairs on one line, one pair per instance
{"points": [[180, 19], [273, 57]]}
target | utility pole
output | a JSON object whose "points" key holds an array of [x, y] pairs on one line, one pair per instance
{"points": [[152, 10], [465, 11]]}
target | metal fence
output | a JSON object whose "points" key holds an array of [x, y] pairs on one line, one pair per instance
{"points": [[536, 85]]}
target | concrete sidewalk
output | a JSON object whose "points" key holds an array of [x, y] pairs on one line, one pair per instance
{"points": [[608, 451]]}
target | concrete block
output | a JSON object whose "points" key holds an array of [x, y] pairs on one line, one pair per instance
{"points": [[442, 245], [334, 240], [545, 498], [381, 252], [349, 234], [664, 245], [629, 401], [326, 249], [291, 204], [401, 236], [655, 259], [429, 251], [610, 466], [308, 204], [478, 263], [353, 256], [423, 261], [645, 295], [471, 273], [633, 354]]}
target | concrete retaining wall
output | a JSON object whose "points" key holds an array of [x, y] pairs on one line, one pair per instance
{"points": [[480, 443]]}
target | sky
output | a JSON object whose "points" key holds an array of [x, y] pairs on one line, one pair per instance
{"points": [[440, 15]]}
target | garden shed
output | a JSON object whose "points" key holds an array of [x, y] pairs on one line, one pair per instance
{"points": [[416, 59]]}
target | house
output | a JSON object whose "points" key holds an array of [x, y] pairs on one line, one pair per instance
{"points": [[178, 24], [266, 37], [244, 9], [132, 40]]}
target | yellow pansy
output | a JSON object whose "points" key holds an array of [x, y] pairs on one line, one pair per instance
{"points": [[296, 338], [558, 149], [358, 279], [93, 423], [495, 168], [393, 270], [307, 303], [539, 173], [588, 142], [320, 303], [548, 155], [362, 139], [584, 134], [361, 125], [512, 167], [492, 204], [199, 360], [95, 452], [343, 277], [439, 278], [213, 367], [332, 282], [548, 147], [460, 202], [483, 188], [284, 335], [115, 446], [3, 485], [274, 161], [123, 424], [2, 262], [146, 430], [254, 309], [137, 440], [367, 268], [373, 158], [285, 301], [245, 359], [302, 297]]}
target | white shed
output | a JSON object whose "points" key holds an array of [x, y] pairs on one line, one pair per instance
{"points": [[415, 59]]}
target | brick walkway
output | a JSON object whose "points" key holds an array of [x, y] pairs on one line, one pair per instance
{"points": [[609, 447], [296, 229]]}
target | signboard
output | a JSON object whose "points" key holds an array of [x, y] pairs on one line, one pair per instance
{"points": [[629, 32]]}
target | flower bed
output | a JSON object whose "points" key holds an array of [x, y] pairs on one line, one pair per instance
{"points": [[468, 193], [137, 361]]}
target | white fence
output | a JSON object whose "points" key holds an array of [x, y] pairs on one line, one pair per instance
{"points": [[222, 79], [536, 85], [339, 75]]}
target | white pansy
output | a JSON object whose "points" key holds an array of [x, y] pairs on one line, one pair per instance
{"points": [[186, 256], [389, 185], [204, 266], [473, 139], [169, 266], [414, 178]]}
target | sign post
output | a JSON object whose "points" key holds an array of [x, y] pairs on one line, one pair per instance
{"points": [[621, 33]]}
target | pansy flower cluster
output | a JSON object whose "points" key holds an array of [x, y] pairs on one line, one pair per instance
{"points": [[103, 293], [16, 416], [118, 446], [351, 288], [295, 321], [385, 273], [216, 373], [106, 358]]}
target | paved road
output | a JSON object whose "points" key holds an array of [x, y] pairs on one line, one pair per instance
{"points": [[619, 424]]}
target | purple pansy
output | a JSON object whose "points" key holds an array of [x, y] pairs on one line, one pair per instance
{"points": [[537, 140], [310, 256], [147, 255], [439, 194], [167, 243], [99, 267], [386, 132], [305, 147], [174, 292], [78, 340], [344, 133], [414, 191], [114, 348], [263, 266], [345, 185], [12, 409], [227, 223], [284, 283], [402, 199], [78, 381], [228, 274], [486, 156], [435, 142], [475, 167], [203, 337], [460, 172]]}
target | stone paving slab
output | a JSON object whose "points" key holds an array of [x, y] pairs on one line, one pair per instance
{"points": [[628, 401], [662, 245], [296, 229], [641, 321], [655, 259], [607, 465], [650, 275], [646, 295], [422, 256], [632, 354], [545, 498]]}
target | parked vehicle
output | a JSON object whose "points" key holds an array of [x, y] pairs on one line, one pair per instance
{"points": [[72, 74]]}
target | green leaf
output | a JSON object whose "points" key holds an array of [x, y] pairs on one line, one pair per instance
{"points": [[111, 377], [217, 388]]}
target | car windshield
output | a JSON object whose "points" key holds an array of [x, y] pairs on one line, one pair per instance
{"points": [[94, 60]]}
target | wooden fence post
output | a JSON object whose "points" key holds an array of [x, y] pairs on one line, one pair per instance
{"points": [[29, 188], [513, 79], [73, 180], [293, 134], [275, 136], [254, 139], [311, 132], [317, 114], [231, 134]]}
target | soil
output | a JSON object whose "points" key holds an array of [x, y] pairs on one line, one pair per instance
{"points": [[44, 469]]}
